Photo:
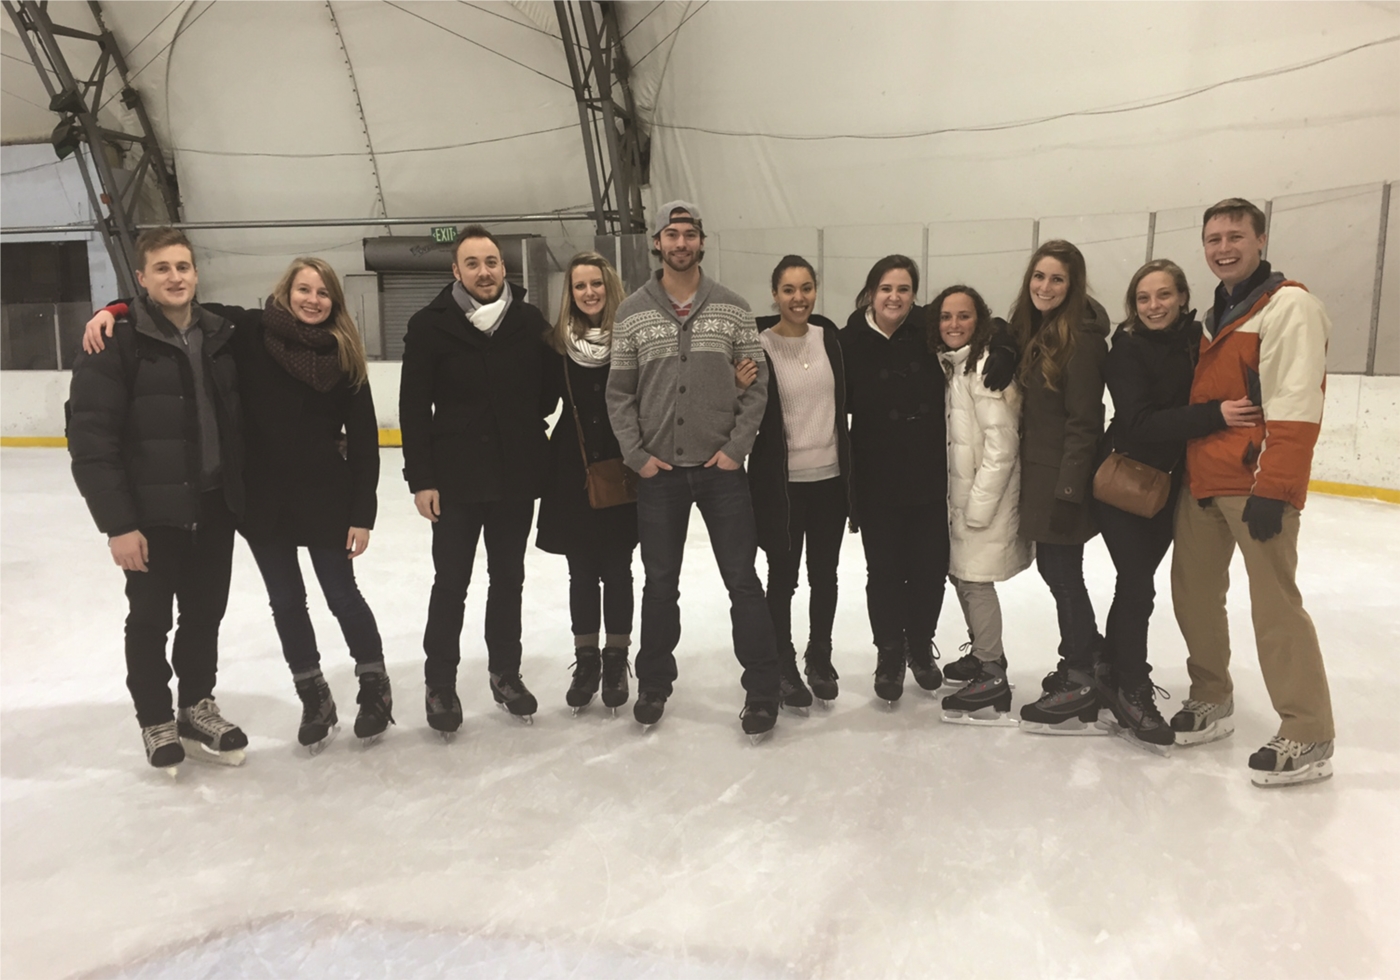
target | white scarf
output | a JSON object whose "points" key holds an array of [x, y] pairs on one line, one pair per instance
{"points": [[486, 317], [593, 349]]}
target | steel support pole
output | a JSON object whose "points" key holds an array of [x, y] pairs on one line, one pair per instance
{"points": [[1376, 288]]}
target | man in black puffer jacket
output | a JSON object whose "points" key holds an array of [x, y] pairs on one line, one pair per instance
{"points": [[479, 379], [155, 438]]}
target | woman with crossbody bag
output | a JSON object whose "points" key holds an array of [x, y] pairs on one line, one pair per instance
{"points": [[1148, 372]]}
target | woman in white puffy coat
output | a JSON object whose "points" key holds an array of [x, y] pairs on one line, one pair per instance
{"points": [[983, 493]]}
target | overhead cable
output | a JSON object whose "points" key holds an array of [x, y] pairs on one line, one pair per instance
{"points": [[671, 33], [644, 16], [382, 153], [509, 20], [1151, 103], [478, 44]]}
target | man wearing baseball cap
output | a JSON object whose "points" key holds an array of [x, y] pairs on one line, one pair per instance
{"points": [[685, 428]]}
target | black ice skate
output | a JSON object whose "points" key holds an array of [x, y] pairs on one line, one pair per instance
{"points": [[758, 718], [588, 668], [1136, 718], [648, 708], [820, 674], [444, 711], [889, 674], [792, 693], [208, 737], [1072, 709], [616, 670], [921, 664], [318, 718], [513, 696], [376, 701], [1284, 762], [1199, 722], [163, 748], [984, 700]]}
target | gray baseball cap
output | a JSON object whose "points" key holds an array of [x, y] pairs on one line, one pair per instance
{"points": [[662, 218]]}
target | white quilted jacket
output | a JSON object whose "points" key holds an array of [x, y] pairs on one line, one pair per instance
{"points": [[984, 475]]}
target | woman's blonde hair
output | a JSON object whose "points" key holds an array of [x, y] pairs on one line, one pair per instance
{"points": [[573, 322], [1047, 342], [1156, 265], [339, 323]]}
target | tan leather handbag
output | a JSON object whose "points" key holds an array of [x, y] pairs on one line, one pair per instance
{"points": [[1132, 486], [610, 483]]}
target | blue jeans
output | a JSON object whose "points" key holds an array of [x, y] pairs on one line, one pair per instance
{"points": [[663, 517], [286, 591]]}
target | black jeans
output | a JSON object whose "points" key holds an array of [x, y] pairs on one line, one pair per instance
{"points": [[1062, 568], [906, 561], [506, 526], [1137, 546], [191, 568], [817, 512], [610, 567], [663, 518], [286, 592]]}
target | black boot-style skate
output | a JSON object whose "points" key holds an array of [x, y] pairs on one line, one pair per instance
{"points": [[649, 708], [821, 675], [319, 722], [616, 670], [444, 711], [513, 696], [1071, 709], [758, 718], [376, 700], [984, 700], [922, 657], [889, 673], [1136, 718], [163, 748], [792, 693], [208, 737], [588, 668]]}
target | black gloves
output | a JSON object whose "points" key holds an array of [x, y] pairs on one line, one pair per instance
{"points": [[1002, 355], [1264, 515], [1064, 517]]}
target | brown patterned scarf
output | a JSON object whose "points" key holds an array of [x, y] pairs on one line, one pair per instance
{"points": [[308, 353]]}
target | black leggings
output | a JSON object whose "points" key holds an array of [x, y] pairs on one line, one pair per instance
{"points": [[1137, 546], [612, 568], [1062, 568]]}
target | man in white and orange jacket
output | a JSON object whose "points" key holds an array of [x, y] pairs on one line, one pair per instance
{"points": [[1265, 338]]}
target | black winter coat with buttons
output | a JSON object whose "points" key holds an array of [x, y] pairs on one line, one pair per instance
{"points": [[301, 490], [568, 524], [134, 430], [895, 393], [472, 406]]}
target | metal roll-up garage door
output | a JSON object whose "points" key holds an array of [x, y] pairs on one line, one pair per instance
{"points": [[402, 295]]}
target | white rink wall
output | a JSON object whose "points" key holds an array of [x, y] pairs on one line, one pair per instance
{"points": [[1360, 441]]}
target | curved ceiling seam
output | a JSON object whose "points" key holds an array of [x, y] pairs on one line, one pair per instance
{"points": [[364, 122], [169, 135]]}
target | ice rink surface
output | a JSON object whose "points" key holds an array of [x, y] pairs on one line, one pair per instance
{"points": [[856, 843]]}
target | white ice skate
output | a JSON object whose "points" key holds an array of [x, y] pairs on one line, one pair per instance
{"points": [[207, 737], [1284, 762], [1199, 722]]}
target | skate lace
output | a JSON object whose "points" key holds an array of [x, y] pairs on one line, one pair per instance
{"points": [[155, 736], [1199, 708], [1287, 748], [374, 695], [610, 667], [205, 717]]}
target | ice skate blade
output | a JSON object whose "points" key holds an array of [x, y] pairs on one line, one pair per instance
{"points": [[576, 710], [366, 741], [1314, 773], [804, 711], [316, 748], [758, 738], [197, 750], [986, 717], [1126, 734], [523, 719], [1213, 732], [1071, 726], [824, 703]]}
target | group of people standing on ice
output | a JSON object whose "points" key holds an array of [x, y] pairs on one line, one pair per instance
{"points": [[961, 447]]}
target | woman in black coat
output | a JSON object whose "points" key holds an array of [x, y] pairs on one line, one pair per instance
{"points": [[597, 543], [311, 474], [800, 474], [1063, 338], [1148, 372]]}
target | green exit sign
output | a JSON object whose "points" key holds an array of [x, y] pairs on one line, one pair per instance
{"points": [[445, 233]]}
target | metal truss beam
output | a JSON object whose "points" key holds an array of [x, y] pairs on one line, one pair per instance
{"points": [[78, 103], [614, 148]]}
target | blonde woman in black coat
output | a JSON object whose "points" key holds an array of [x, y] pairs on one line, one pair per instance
{"points": [[597, 543]]}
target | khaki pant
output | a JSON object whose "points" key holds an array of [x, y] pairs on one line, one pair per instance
{"points": [[1289, 657]]}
